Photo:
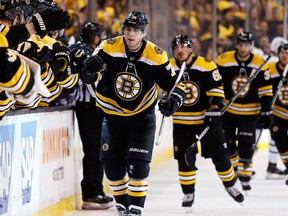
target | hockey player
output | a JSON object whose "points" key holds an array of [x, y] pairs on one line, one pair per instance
{"points": [[20, 80], [127, 94], [39, 22], [89, 124], [235, 68], [280, 109], [56, 72], [273, 172], [204, 93]]}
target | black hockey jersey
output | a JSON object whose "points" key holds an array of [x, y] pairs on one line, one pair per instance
{"points": [[235, 74], [128, 85], [280, 108], [202, 81], [57, 89]]}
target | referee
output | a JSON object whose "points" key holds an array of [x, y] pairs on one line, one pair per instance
{"points": [[89, 123]]}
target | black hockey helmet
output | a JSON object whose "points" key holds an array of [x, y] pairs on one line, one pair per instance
{"points": [[136, 19], [282, 47], [245, 37], [90, 30], [181, 39]]}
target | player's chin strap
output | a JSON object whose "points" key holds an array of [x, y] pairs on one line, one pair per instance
{"points": [[280, 84], [183, 67], [188, 153]]}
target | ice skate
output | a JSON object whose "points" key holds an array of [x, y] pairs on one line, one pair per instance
{"points": [[135, 210], [245, 187], [273, 172], [121, 210], [187, 202], [235, 194]]}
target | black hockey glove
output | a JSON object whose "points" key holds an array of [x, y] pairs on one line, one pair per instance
{"points": [[60, 61], [170, 106], [50, 20], [78, 57], [213, 119], [91, 67], [31, 50], [266, 119]]}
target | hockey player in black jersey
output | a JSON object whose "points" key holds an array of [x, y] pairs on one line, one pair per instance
{"points": [[131, 68], [239, 121], [204, 93], [280, 109]]}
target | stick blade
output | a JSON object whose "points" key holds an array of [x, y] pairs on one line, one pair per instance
{"points": [[188, 153]]}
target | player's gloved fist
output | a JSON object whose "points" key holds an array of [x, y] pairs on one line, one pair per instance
{"points": [[91, 67], [78, 57], [50, 20], [59, 58], [93, 64], [213, 119], [266, 119], [170, 106], [31, 50]]}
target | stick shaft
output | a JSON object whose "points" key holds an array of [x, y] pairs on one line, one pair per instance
{"points": [[182, 69]]}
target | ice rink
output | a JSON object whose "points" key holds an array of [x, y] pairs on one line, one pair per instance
{"points": [[267, 197]]}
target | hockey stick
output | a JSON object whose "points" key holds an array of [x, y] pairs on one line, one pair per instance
{"points": [[188, 152], [182, 69], [272, 104]]}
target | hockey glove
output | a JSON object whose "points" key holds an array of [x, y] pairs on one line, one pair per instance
{"points": [[91, 67], [170, 106], [50, 20], [78, 57], [31, 50], [60, 61], [213, 119], [266, 119]]}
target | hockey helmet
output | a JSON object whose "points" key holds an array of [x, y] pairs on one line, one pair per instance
{"points": [[181, 39], [136, 19], [283, 46], [245, 37], [90, 30]]}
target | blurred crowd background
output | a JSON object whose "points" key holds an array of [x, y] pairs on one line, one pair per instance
{"points": [[212, 24]]}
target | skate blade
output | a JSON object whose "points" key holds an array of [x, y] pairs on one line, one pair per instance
{"points": [[188, 210], [241, 204], [246, 193], [274, 177]]}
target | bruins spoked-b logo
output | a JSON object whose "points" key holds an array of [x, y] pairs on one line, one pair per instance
{"points": [[192, 93], [283, 95], [127, 86], [237, 83]]}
